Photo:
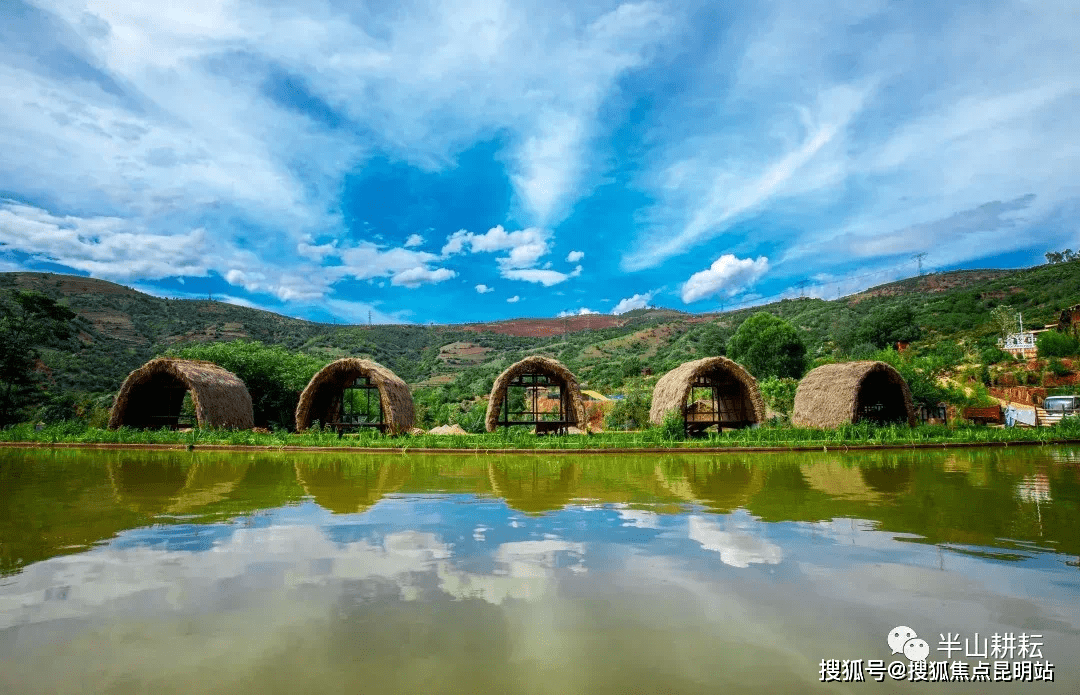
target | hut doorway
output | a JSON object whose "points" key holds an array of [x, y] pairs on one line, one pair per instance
{"points": [[539, 392], [359, 407], [717, 399], [880, 400], [712, 392], [833, 395], [172, 392], [159, 403], [353, 393], [535, 399]]}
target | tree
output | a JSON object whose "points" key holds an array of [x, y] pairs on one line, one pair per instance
{"points": [[887, 326], [274, 376], [768, 346], [1004, 317], [921, 375], [711, 343], [28, 321], [1061, 256]]}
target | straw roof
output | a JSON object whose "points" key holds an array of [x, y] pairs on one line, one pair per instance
{"points": [[320, 399], [829, 395], [220, 398], [536, 364], [672, 389]]}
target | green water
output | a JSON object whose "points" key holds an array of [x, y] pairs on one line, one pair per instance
{"points": [[162, 572]]}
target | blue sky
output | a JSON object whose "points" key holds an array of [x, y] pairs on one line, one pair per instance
{"points": [[460, 161]]}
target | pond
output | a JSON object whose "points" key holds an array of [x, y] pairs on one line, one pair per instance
{"points": [[197, 572]]}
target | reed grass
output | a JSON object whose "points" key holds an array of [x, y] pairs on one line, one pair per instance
{"points": [[861, 434]]}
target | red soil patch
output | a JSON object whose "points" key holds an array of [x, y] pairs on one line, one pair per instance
{"points": [[1031, 395], [543, 328]]}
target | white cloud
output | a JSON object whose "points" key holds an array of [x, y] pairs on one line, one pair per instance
{"points": [[514, 299], [736, 548], [407, 267], [319, 252], [575, 256], [414, 240], [583, 311], [484, 289], [727, 274], [414, 277], [165, 120], [638, 301], [177, 119], [639, 518], [526, 246], [106, 247], [526, 570], [545, 277]]}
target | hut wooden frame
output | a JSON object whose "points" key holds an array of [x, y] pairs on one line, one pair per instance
{"points": [[734, 398], [532, 383], [350, 420], [728, 406], [323, 399], [535, 373]]}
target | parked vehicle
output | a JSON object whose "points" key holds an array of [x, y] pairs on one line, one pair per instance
{"points": [[1056, 407], [1070, 405]]}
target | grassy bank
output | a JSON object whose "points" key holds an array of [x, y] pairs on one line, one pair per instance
{"points": [[520, 438]]}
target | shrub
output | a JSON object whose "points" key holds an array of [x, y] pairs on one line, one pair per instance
{"points": [[632, 412], [1054, 344], [672, 429], [471, 417], [1056, 367], [993, 355], [921, 375], [779, 394], [274, 376]]}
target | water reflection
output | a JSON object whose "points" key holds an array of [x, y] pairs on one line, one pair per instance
{"points": [[139, 571], [992, 498]]}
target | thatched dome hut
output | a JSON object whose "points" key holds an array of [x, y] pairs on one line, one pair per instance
{"points": [[572, 404], [153, 395], [739, 400], [836, 394], [321, 400]]}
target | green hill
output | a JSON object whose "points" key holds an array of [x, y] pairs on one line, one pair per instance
{"points": [[120, 328]]}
